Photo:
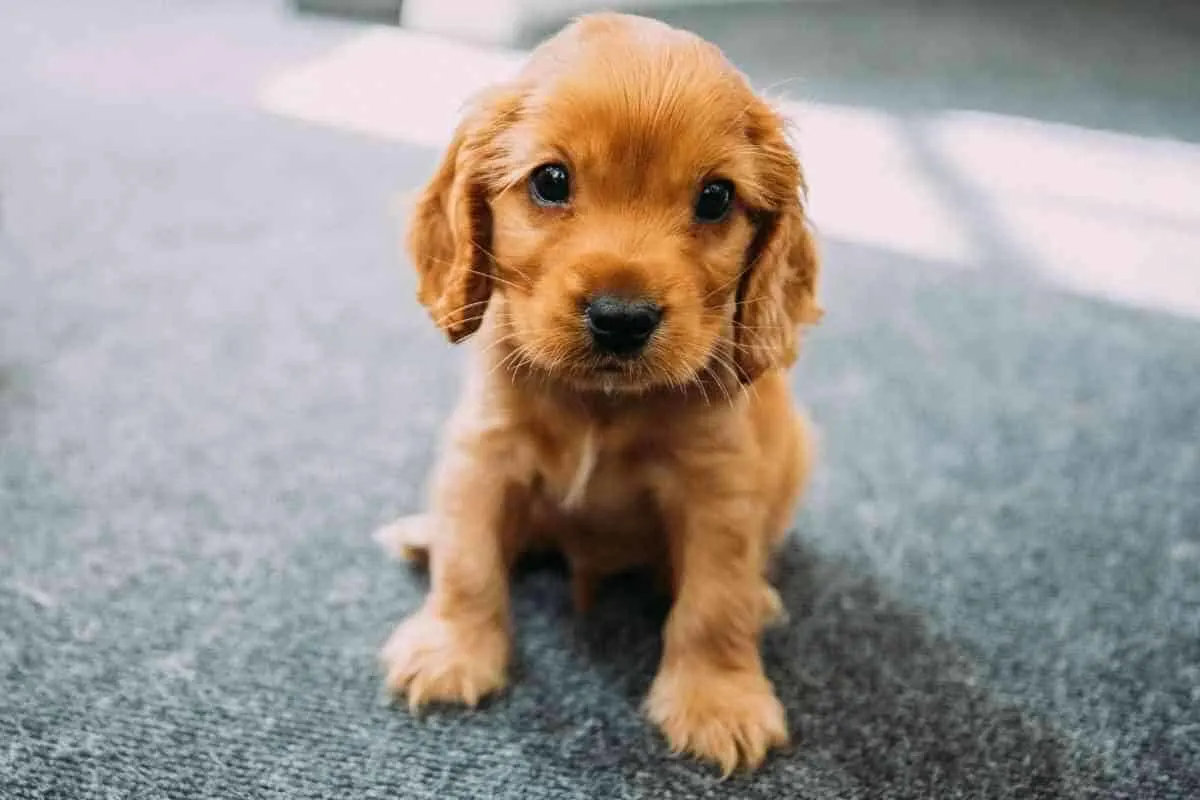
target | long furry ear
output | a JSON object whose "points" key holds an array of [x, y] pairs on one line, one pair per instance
{"points": [[777, 293], [450, 235]]}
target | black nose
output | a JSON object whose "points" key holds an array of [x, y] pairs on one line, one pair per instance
{"points": [[621, 327]]}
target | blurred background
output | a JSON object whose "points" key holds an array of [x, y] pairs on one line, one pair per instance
{"points": [[215, 382]]}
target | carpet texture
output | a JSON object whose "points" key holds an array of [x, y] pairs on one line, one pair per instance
{"points": [[215, 382]]}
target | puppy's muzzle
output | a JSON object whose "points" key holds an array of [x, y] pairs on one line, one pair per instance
{"points": [[619, 326]]}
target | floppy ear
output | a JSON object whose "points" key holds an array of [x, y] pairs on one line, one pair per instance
{"points": [[777, 293], [449, 237]]}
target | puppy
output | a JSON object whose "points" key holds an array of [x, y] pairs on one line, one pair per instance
{"points": [[621, 228]]}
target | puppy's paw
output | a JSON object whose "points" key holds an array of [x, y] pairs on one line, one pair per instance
{"points": [[432, 659], [729, 718], [408, 538]]}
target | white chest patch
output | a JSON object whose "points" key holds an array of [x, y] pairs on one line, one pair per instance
{"points": [[583, 472]]}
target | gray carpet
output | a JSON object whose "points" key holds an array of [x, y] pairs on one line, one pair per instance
{"points": [[214, 382]]}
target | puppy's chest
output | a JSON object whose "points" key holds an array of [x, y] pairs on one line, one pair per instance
{"points": [[587, 470]]}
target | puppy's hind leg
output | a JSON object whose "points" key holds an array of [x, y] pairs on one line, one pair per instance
{"points": [[408, 538]]}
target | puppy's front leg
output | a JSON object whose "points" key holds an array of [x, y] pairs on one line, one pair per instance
{"points": [[711, 696], [456, 647]]}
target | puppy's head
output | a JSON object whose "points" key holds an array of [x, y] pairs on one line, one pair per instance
{"points": [[638, 207]]}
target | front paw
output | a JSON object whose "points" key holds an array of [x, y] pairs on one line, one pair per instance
{"points": [[433, 659], [730, 718]]}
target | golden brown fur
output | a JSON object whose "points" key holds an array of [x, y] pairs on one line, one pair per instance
{"points": [[687, 460]]}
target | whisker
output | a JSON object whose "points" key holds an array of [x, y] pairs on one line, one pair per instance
{"points": [[757, 328], [496, 278], [725, 285], [449, 263], [731, 370], [503, 340], [441, 319], [498, 262], [503, 363]]}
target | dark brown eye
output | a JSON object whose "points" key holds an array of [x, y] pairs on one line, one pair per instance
{"points": [[550, 185], [714, 201]]}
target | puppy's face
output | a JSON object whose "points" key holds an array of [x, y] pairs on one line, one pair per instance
{"points": [[633, 200]]}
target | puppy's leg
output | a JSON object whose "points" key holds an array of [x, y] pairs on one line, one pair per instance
{"points": [[711, 696], [456, 647], [792, 482]]}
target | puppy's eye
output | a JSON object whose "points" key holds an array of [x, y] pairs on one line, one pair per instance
{"points": [[550, 185], [714, 201]]}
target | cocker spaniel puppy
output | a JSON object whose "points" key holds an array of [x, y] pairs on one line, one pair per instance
{"points": [[621, 228]]}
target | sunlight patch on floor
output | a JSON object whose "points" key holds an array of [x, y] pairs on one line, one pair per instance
{"points": [[1105, 214], [389, 83], [866, 185]]}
